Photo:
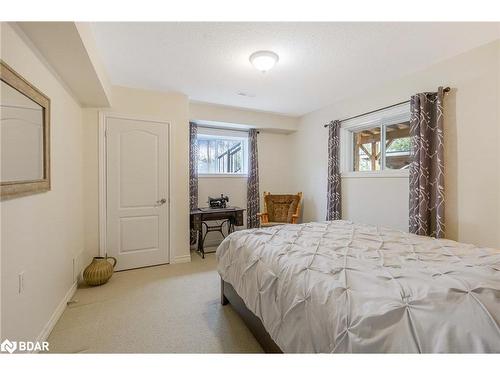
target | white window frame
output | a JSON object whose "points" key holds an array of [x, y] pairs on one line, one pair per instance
{"points": [[382, 118], [227, 134]]}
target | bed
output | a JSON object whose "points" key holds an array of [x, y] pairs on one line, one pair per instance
{"points": [[340, 287]]}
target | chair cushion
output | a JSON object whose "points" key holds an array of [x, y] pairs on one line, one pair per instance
{"points": [[281, 207]]}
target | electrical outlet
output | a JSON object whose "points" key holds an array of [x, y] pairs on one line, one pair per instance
{"points": [[20, 282]]}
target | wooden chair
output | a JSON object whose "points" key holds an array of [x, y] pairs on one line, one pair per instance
{"points": [[280, 209]]}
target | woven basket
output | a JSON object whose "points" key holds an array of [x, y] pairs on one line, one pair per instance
{"points": [[99, 271]]}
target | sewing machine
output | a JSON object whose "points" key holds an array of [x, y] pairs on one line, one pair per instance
{"points": [[218, 202]]}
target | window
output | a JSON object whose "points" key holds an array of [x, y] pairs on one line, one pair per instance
{"points": [[222, 152], [367, 150], [397, 146], [368, 154], [378, 143]]}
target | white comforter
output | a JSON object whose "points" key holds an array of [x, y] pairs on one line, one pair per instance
{"points": [[340, 287]]}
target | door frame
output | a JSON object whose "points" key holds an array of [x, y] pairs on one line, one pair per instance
{"points": [[103, 116]]}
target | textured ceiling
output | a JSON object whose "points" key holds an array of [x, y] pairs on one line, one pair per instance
{"points": [[319, 62]]}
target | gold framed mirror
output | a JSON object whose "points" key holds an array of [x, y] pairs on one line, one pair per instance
{"points": [[24, 136]]}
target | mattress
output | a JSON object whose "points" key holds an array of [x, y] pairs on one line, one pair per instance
{"points": [[340, 287]]}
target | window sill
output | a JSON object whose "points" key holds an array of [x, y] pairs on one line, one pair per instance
{"points": [[378, 174], [222, 175]]}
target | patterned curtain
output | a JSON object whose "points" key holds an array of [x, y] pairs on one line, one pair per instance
{"points": [[427, 164], [333, 203], [193, 173], [253, 202]]}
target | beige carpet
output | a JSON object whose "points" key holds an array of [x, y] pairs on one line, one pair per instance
{"points": [[164, 309]]}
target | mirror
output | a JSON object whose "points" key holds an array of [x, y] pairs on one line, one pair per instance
{"points": [[24, 136]]}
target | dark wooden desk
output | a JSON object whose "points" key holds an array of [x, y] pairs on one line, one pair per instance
{"points": [[233, 216]]}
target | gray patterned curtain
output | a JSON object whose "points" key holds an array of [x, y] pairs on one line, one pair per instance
{"points": [[427, 164], [253, 201], [333, 203], [193, 172]]}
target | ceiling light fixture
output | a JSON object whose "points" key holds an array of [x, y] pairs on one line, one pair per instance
{"points": [[264, 60]]}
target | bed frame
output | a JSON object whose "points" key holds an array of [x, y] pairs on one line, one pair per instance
{"points": [[254, 324]]}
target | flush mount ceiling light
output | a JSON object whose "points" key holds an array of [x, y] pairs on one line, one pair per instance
{"points": [[264, 60]]}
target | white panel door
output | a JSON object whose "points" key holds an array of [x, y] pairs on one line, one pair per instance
{"points": [[136, 192]]}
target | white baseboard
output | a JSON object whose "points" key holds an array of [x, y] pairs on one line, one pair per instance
{"points": [[56, 314], [182, 259]]}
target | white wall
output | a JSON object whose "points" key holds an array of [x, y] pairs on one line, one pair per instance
{"points": [[259, 119], [388, 196], [472, 135], [71, 51], [276, 169], [42, 234], [172, 107]]}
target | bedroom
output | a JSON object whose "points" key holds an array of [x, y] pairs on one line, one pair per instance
{"points": [[128, 153]]}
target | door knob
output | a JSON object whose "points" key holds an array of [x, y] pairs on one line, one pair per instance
{"points": [[161, 201]]}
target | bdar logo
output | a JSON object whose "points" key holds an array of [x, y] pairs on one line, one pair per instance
{"points": [[8, 346]]}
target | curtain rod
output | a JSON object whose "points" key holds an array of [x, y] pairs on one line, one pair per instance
{"points": [[445, 90], [225, 128]]}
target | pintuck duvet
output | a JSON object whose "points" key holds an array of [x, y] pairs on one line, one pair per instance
{"points": [[338, 287]]}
